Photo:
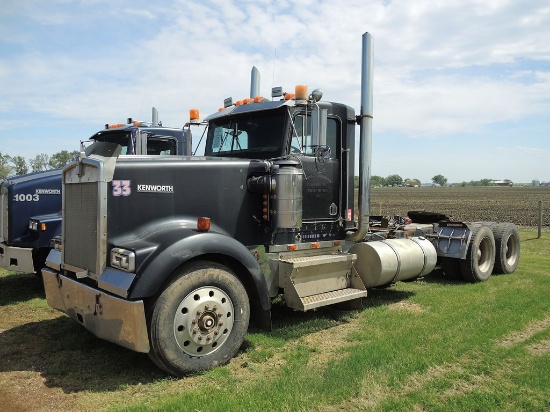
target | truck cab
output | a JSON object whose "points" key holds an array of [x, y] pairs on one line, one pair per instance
{"points": [[31, 204]]}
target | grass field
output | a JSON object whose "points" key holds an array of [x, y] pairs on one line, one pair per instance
{"points": [[430, 345]]}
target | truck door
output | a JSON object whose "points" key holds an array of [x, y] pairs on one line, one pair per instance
{"points": [[322, 169]]}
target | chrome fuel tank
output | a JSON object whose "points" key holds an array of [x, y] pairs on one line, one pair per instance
{"points": [[388, 261]]}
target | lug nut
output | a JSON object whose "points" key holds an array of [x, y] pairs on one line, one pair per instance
{"points": [[208, 337], [194, 321], [220, 314], [195, 330], [207, 306], [220, 323], [199, 312], [215, 308], [200, 337]]}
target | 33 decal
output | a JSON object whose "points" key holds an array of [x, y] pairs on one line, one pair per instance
{"points": [[122, 187]]}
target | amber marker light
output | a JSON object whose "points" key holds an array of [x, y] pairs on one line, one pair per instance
{"points": [[203, 224], [292, 247], [194, 115], [315, 245], [301, 92]]}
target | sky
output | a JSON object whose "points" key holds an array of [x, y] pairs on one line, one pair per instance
{"points": [[461, 87]]}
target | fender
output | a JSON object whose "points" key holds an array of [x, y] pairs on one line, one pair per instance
{"points": [[184, 244]]}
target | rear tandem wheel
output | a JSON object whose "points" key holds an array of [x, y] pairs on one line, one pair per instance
{"points": [[507, 248], [480, 259]]}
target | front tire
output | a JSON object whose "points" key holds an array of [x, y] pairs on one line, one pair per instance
{"points": [[480, 259], [199, 321]]}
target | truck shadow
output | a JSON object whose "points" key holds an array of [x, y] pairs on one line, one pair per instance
{"points": [[20, 287], [291, 324], [71, 358], [439, 277]]}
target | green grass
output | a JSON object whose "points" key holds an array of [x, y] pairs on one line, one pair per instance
{"points": [[425, 345]]}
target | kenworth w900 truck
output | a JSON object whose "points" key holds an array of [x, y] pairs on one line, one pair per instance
{"points": [[31, 204], [174, 256]]}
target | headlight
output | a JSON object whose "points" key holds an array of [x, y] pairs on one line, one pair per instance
{"points": [[36, 225], [57, 243], [123, 259], [33, 225]]}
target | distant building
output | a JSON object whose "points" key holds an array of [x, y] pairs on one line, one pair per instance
{"points": [[535, 183], [505, 182]]}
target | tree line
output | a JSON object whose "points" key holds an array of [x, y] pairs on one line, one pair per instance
{"points": [[18, 165], [398, 181]]}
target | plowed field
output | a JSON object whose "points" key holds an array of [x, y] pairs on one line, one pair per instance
{"points": [[518, 205]]}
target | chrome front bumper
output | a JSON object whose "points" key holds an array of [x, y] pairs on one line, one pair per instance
{"points": [[108, 317], [17, 259]]}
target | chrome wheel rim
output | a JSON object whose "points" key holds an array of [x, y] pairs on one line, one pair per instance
{"points": [[203, 321]]}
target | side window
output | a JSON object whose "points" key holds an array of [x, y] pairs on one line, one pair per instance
{"points": [[303, 136], [160, 146]]}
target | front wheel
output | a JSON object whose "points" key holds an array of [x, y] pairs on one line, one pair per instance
{"points": [[199, 321]]}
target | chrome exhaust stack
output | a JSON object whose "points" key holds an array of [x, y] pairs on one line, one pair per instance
{"points": [[254, 82], [365, 140]]}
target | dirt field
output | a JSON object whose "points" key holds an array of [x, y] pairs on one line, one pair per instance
{"points": [[518, 205]]}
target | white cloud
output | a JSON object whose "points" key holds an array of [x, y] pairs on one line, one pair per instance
{"points": [[441, 68]]}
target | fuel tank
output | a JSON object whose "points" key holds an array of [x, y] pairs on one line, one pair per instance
{"points": [[388, 261]]}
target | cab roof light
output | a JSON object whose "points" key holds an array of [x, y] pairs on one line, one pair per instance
{"points": [[289, 96], [203, 224], [300, 92], [194, 116], [258, 99]]}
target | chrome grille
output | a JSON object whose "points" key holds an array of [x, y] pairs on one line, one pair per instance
{"points": [[3, 216], [80, 225]]}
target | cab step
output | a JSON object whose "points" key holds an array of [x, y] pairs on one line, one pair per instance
{"points": [[313, 281]]}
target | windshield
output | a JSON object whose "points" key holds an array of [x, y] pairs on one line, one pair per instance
{"points": [[156, 144], [256, 135], [122, 139]]}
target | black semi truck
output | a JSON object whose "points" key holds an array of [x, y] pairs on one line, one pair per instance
{"points": [[174, 256], [30, 214]]}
